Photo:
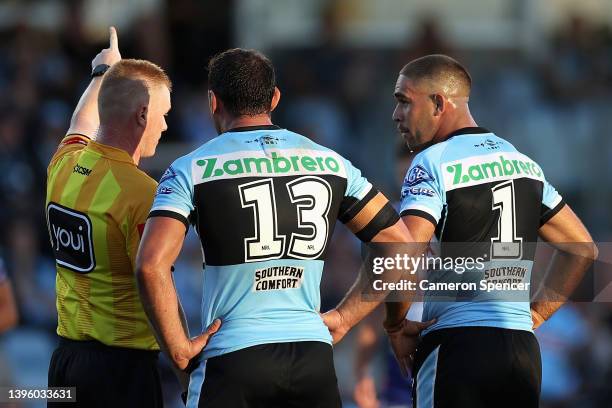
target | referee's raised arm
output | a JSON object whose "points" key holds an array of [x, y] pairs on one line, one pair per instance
{"points": [[85, 119]]}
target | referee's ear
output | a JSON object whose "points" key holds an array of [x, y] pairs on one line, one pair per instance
{"points": [[275, 98]]}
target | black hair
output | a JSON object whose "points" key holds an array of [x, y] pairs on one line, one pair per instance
{"points": [[244, 80], [437, 66]]}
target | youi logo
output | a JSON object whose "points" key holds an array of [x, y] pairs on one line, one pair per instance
{"points": [[71, 238]]}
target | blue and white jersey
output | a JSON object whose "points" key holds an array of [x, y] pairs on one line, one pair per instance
{"points": [[264, 202], [486, 200]]}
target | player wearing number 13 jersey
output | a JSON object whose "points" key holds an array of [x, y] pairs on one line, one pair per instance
{"points": [[481, 198], [264, 202]]}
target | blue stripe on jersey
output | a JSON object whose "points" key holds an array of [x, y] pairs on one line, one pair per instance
{"points": [[426, 380], [196, 381]]}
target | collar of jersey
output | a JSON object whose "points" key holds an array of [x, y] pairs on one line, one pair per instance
{"points": [[250, 128], [110, 152], [468, 131]]}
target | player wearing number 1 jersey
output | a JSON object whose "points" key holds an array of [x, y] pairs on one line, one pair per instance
{"points": [[473, 189], [264, 201]]}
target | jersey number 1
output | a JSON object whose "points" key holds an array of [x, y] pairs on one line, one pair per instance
{"points": [[506, 245], [312, 197]]}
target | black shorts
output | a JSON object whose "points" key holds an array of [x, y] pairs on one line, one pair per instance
{"points": [[105, 376], [477, 367], [298, 374]]}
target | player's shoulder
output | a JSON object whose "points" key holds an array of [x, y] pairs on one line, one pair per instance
{"points": [[466, 143], [306, 143]]}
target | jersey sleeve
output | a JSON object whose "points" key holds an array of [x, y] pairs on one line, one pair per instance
{"points": [[552, 202], [364, 210], [174, 195], [423, 189]]}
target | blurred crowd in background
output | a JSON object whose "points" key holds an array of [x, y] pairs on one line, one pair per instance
{"points": [[553, 105]]}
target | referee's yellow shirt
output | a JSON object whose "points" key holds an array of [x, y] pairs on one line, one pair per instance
{"points": [[97, 205]]}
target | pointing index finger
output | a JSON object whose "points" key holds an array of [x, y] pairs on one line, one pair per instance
{"points": [[114, 42]]}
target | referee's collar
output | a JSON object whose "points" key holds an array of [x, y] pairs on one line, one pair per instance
{"points": [[110, 152], [473, 130], [250, 128]]}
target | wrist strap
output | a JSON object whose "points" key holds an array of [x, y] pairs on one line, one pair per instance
{"points": [[99, 70]]}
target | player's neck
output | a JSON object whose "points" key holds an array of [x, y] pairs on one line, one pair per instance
{"points": [[460, 122], [244, 121]]}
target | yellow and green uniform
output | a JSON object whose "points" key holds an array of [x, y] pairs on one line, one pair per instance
{"points": [[97, 204]]}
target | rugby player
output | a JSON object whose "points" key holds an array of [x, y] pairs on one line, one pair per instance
{"points": [[96, 206], [264, 202], [468, 185]]}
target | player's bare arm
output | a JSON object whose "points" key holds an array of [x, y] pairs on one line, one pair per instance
{"points": [[85, 119], [404, 334], [421, 231], [161, 243], [576, 252], [351, 310]]}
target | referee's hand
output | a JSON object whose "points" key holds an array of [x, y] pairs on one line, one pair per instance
{"points": [[196, 345], [111, 54]]}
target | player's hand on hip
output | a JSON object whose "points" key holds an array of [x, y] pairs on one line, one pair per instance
{"points": [[109, 55], [404, 339], [537, 319], [196, 346], [335, 324]]}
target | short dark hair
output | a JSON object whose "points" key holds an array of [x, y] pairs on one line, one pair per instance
{"points": [[244, 80], [437, 67]]}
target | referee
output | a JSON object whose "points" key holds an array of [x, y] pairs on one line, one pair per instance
{"points": [[96, 206]]}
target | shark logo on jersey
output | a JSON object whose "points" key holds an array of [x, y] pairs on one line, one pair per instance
{"points": [[168, 174], [417, 175], [266, 139], [489, 144]]}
